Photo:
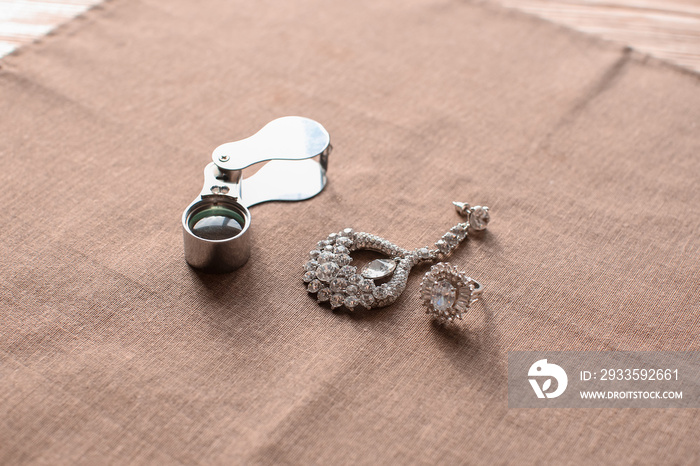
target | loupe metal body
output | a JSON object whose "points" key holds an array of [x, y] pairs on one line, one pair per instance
{"points": [[216, 225]]}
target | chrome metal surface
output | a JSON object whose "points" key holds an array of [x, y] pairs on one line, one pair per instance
{"points": [[216, 255], [286, 138], [462, 208], [284, 180], [296, 150], [478, 289], [217, 181]]}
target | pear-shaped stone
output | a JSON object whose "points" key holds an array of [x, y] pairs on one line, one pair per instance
{"points": [[378, 269]]}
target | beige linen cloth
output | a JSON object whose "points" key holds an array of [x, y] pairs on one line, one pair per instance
{"points": [[114, 351]]}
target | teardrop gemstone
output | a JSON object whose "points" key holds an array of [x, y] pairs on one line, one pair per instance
{"points": [[378, 269]]}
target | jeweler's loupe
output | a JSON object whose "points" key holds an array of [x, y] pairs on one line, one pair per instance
{"points": [[216, 225]]}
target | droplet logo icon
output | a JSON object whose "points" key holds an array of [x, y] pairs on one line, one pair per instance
{"points": [[542, 370]]}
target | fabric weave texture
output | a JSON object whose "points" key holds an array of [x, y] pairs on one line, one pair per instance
{"points": [[114, 351]]}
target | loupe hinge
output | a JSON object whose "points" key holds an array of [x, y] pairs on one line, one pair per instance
{"points": [[221, 182]]}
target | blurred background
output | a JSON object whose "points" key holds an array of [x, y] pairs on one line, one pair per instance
{"points": [[666, 29]]}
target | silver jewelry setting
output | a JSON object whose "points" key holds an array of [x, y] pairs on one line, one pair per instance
{"points": [[448, 293], [330, 275]]}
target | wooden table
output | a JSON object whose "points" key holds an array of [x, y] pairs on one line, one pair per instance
{"points": [[666, 29]]}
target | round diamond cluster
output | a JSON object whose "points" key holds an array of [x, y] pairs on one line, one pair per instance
{"points": [[330, 275], [446, 292]]}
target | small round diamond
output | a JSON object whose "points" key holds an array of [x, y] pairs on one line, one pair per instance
{"points": [[352, 290], [314, 286], [337, 300], [451, 239], [343, 241], [338, 285], [343, 259], [324, 294], [327, 271], [308, 276], [347, 271], [311, 265], [459, 231], [339, 249], [380, 292], [367, 300], [355, 279], [351, 302], [442, 246], [365, 286], [314, 254], [325, 257], [479, 218]]}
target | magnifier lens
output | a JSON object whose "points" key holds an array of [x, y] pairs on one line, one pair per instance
{"points": [[216, 223]]}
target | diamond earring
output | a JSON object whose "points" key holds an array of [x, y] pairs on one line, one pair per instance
{"points": [[332, 278], [447, 292]]}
